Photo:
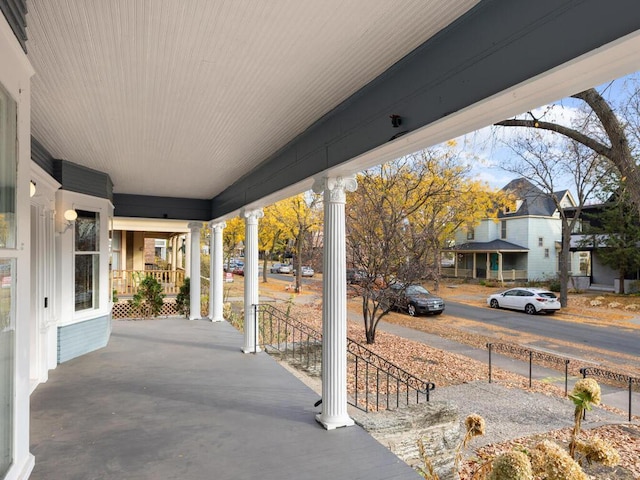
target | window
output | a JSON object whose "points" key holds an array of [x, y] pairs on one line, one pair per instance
{"points": [[8, 170], [540, 241], [503, 229], [87, 260], [8, 231], [546, 253], [470, 234]]}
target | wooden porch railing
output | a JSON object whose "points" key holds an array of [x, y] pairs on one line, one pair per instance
{"points": [[507, 275], [125, 282]]}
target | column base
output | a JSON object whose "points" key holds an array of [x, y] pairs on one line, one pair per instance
{"points": [[220, 319], [251, 350], [334, 422]]}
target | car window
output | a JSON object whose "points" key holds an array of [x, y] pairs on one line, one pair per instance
{"points": [[511, 293], [525, 293], [547, 295], [417, 290]]}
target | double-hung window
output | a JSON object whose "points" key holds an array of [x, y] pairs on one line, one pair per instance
{"points": [[87, 260]]}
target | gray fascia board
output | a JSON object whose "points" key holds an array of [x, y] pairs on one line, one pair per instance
{"points": [[496, 45], [127, 205]]}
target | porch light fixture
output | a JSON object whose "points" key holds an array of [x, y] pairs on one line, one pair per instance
{"points": [[70, 216], [32, 188]]}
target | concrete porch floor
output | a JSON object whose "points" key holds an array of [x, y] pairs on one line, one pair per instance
{"points": [[172, 398]]}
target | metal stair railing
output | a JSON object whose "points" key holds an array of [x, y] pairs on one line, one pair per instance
{"points": [[373, 383]]}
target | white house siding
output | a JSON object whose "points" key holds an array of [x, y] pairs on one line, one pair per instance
{"points": [[517, 231], [15, 78], [550, 229]]}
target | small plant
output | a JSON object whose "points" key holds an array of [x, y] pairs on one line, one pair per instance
{"points": [[554, 285], [513, 465], [149, 299], [474, 426], [114, 296], [428, 471], [598, 450], [183, 298], [586, 392], [552, 462]]}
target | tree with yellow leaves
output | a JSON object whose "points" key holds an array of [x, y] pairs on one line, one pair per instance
{"points": [[272, 230], [232, 235], [399, 219], [300, 216]]}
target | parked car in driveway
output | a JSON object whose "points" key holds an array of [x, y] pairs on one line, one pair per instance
{"points": [[274, 268], [529, 300], [238, 270], [416, 300], [285, 268], [305, 271]]}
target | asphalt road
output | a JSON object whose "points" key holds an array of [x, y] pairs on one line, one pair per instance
{"points": [[622, 340]]}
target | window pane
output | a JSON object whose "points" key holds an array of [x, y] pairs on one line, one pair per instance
{"points": [[86, 285], [8, 170], [7, 357], [87, 231]]}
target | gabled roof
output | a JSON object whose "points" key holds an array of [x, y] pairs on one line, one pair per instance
{"points": [[492, 246], [534, 201]]}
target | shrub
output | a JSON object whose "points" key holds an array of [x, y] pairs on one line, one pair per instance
{"points": [[149, 299], [183, 298], [554, 285], [511, 465]]}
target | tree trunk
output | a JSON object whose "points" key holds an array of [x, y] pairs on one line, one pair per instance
{"points": [[564, 263], [623, 274]]}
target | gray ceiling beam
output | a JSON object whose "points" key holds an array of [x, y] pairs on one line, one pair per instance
{"points": [[496, 45]]}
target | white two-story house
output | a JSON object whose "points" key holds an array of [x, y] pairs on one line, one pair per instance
{"points": [[521, 244]]}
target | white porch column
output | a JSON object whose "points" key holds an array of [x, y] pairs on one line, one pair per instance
{"points": [[216, 272], [187, 255], [194, 261], [251, 296], [334, 303], [488, 266]]}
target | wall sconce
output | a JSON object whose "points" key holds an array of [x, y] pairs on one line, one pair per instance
{"points": [[70, 216], [32, 188]]}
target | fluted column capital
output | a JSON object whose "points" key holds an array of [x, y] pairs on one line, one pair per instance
{"points": [[195, 226], [335, 188], [252, 215], [217, 225]]}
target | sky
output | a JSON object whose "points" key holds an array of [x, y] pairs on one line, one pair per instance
{"points": [[488, 145]]}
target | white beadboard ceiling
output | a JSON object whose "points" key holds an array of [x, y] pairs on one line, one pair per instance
{"points": [[182, 98]]}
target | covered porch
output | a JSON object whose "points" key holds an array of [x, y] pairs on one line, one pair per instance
{"points": [[172, 398], [496, 260]]}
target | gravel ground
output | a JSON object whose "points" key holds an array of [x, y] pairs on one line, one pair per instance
{"points": [[513, 413]]}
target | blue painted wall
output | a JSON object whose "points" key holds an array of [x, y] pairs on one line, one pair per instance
{"points": [[83, 337]]}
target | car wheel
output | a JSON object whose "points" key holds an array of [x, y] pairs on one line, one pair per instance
{"points": [[411, 310], [494, 303], [529, 309]]}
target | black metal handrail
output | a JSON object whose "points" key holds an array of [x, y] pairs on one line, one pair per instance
{"points": [[376, 382], [611, 375], [531, 354]]}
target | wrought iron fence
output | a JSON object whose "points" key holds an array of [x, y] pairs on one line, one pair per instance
{"points": [[615, 376], [373, 383], [521, 351]]}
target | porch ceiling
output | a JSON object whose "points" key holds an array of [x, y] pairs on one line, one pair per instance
{"points": [[182, 98], [196, 99]]}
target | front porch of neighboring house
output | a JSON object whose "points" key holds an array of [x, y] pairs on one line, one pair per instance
{"points": [[488, 261], [155, 248]]}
